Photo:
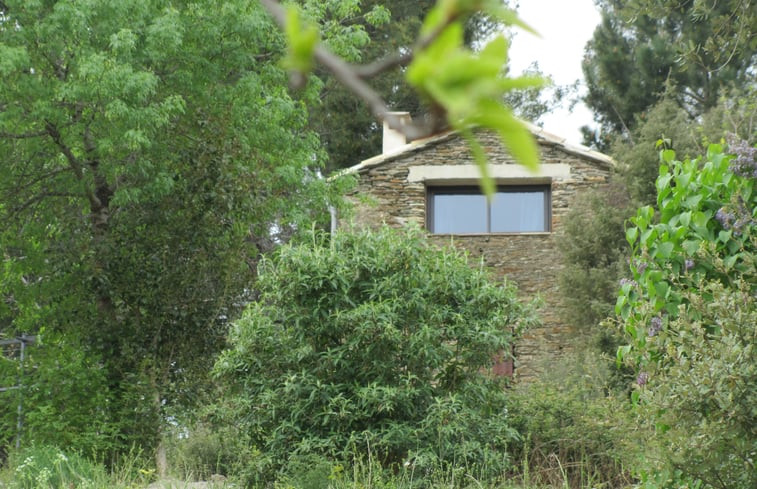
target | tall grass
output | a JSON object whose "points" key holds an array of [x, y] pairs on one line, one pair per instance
{"points": [[48, 467]]}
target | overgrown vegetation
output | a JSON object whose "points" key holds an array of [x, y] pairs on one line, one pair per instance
{"points": [[374, 344], [690, 313], [152, 153]]}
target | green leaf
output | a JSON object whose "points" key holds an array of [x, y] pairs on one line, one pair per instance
{"points": [[685, 218], [515, 135], [691, 246], [301, 41], [664, 250], [487, 183], [632, 235], [622, 352], [668, 156], [662, 289]]}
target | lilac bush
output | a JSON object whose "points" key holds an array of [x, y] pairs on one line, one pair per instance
{"points": [[689, 313]]}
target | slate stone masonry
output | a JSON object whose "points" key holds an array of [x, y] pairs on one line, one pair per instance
{"points": [[532, 261]]}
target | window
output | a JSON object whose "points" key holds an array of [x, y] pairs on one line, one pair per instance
{"points": [[465, 210]]}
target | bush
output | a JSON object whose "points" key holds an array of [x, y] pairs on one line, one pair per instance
{"points": [[49, 467], [703, 402], [690, 314], [374, 343], [572, 433], [66, 399]]}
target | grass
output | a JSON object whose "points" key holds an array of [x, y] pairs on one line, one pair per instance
{"points": [[50, 468]]}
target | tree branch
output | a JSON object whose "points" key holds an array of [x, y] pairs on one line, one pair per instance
{"points": [[16, 210], [379, 66], [24, 135], [74, 163], [350, 77], [18, 188], [52, 131]]}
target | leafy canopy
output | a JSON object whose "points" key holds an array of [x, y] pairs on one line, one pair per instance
{"points": [[696, 49], [149, 151]]}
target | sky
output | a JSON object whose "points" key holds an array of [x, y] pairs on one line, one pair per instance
{"points": [[564, 27]]}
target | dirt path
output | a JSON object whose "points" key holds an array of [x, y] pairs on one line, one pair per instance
{"points": [[179, 484]]}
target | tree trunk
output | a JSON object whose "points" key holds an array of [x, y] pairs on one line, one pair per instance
{"points": [[161, 457]]}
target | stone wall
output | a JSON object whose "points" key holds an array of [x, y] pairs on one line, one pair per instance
{"points": [[384, 194]]}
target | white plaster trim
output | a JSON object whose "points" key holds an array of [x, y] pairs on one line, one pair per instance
{"points": [[500, 173]]}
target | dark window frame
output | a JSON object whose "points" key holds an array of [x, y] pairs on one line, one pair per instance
{"points": [[432, 190]]}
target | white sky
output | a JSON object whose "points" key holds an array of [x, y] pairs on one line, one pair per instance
{"points": [[564, 26]]}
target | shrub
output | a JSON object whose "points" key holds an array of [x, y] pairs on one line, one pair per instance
{"points": [[374, 342], [49, 467], [690, 314], [66, 398], [572, 433]]}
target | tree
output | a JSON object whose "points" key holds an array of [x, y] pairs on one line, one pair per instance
{"points": [[347, 128], [373, 343], [150, 149], [349, 131], [641, 47], [464, 90]]}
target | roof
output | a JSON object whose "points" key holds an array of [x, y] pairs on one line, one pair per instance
{"points": [[542, 137]]}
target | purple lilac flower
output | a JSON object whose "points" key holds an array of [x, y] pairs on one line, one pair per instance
{"points": [[688, 264], [627, 281], [745, 163], [655, 325], [725, 218], [642, 379], [641, 266]]}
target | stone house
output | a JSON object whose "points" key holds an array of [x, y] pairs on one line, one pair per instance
{"points": [[434, 183]]}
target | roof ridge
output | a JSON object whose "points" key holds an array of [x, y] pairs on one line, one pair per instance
{"points": [[538, 132]]}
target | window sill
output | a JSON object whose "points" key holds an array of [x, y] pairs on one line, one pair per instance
{"points": [[472, 235]]}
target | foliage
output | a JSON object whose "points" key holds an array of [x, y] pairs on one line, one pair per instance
{"points": [[594, 249], [65, 398], [689, 312], [594, 253], [640, 47], [374, 343], [47, 467], [204, 444], [572, 433], [703, 402], [346, 126], [463, 89], [726, 29], [639, 157], [149, 149]]}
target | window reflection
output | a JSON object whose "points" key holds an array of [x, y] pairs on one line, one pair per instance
{"points": [[464, 210]]}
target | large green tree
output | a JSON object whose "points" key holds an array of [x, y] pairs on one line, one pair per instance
{"points": [[149, 151], [698, 48]]}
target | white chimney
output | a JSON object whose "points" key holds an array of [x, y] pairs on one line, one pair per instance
{"points": [[394, 139]]}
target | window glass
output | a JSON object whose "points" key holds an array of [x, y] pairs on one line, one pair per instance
{"points": [[464, 210], [518, 212], [459, 213]]}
